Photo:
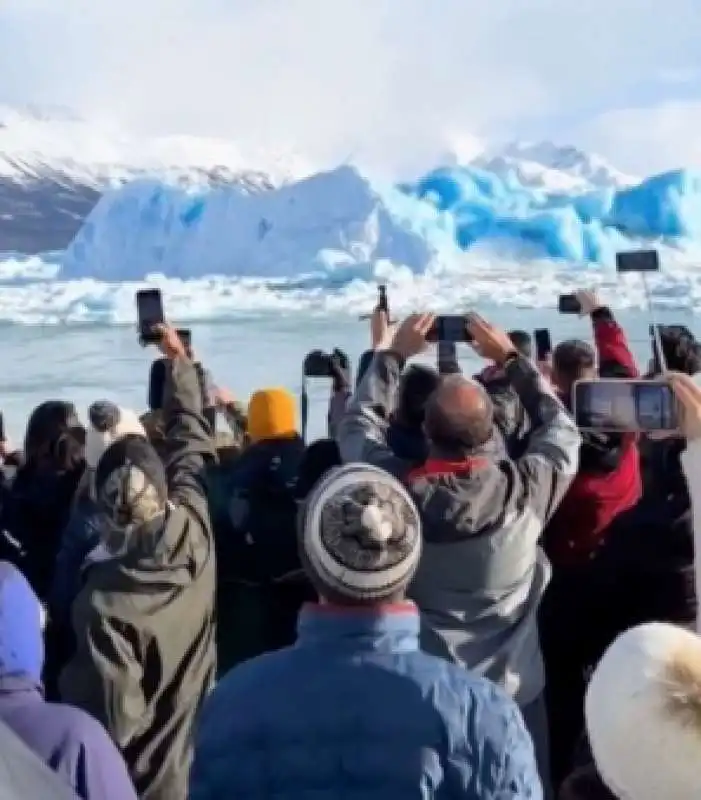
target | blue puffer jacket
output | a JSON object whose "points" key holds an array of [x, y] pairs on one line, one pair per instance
{"points": [[355, 710]]}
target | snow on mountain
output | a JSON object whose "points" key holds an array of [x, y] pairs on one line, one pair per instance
{"points": [[553, 168], [100, 154]]}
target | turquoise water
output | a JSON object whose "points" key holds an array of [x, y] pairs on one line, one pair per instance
{"points": [[84, 363]]}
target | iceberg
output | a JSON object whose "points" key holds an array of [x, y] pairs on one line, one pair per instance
{"points": [[342, 225]]}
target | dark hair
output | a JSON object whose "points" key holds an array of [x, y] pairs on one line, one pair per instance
{"points": [[318, 459], [54, 439], [573, 359], [454, 432], [523, 342], [682, 353], [416, 385]]}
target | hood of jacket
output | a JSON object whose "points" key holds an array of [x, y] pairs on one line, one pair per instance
{"points": [[21, 638]]}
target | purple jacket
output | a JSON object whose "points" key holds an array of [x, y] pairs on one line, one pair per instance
{"points": [[69, 741]]}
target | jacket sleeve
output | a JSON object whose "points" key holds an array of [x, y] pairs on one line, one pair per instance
{"points": [[691, 464], [77, 540], [362, 432], [612, 345], [363, 363], [101, 771], [190, 443], [337, 408], [105, 676], [551, 459]]}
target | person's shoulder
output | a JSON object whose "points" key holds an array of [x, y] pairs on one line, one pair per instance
{"points": [[470, 700], [77, 727], [251, 683]]}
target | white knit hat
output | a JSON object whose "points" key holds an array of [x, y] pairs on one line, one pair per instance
{"points": [[108, 423], [360, 534], [643, 714]]}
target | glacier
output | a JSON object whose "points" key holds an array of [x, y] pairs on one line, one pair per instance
{"points": [[341, 224]]}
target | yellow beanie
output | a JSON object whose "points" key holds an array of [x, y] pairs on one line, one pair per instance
{"points": [[272, 414]]}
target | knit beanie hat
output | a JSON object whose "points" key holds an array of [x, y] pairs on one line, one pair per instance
{"points": [[130, 489], [107, 423], [272, 414], [643, 714], [360, 535]]}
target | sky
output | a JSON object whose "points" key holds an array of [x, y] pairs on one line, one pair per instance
{"points": [[394, 82]]}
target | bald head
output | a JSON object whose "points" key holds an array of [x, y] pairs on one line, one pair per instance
{"points": [[459, 416]]}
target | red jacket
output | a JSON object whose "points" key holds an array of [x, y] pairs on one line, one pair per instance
{"points": [[596, 498]]}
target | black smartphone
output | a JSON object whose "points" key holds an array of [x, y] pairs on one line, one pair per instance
{"points": [[638, 261], [3, 435], [543, 344], [382, 303], [149, 313], [449, 328], [185, 336], [568, 304], [317, 364], [625, 406]]}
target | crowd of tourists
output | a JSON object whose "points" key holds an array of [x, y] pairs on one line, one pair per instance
{"points": [[455, 594]]}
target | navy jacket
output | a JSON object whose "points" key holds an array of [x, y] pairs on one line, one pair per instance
{"points": [[355, 710], [69, 741]]}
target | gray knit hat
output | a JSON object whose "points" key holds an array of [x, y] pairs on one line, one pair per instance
{"points": [[360, 534]]}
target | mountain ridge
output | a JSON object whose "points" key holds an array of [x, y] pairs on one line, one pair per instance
{"points": [[55, 166]]}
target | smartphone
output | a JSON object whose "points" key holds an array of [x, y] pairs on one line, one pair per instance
{"points": [[449, 328], [543, 344], [149, 313], [185, 336], [382, 303], [638, 261], [625, 406], [3, 435], [568, 304]]}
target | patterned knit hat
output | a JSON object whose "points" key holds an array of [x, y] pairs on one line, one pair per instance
{"points": [[643, 713], [360, 534], [108, 422], [130, 489]]}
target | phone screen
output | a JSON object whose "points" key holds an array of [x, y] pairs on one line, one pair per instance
{"points": [[382, 299], [449, 328], [638, 261], [568, 304], [149, 310], [625, 406], [543, 344]]}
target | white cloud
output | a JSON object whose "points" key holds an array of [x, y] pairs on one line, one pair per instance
{"points": [[648, 139], [381, 79]]}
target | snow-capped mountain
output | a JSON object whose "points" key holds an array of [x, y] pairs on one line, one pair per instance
{"points": [[553, 168], [54, 166]]}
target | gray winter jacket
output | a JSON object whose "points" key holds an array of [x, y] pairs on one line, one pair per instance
{"points": [[482, 573]]}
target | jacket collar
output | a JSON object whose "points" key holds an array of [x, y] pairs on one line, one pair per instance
{"points": [[389, 628]]}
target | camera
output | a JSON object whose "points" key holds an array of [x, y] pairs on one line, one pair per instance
{"points": [[318, 364]]}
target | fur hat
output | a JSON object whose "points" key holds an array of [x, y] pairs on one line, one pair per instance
{"points": [[360, 535], [643, 714], [108, 422]]}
